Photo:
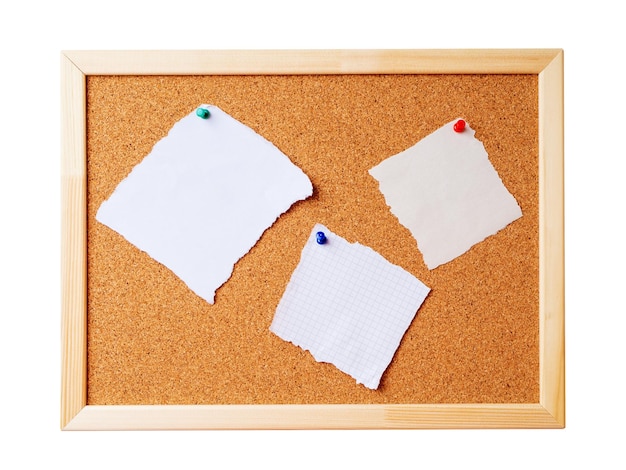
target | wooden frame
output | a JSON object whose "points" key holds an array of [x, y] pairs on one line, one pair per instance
{"points": [[548, 413]]}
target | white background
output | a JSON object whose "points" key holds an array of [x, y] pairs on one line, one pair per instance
{"points": [[32, 34]]}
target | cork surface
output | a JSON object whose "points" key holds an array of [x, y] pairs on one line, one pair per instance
{"points": [[476, 337]]}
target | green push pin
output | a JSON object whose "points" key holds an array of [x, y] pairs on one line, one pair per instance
{"points": [[203, 113]]}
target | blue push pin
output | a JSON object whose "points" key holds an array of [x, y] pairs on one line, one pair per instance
{"points": [[203, 113], [321, 238]]}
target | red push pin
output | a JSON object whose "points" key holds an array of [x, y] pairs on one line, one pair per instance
{"points": [[459, 126]]}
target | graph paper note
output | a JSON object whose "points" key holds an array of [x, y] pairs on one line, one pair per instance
{"points": [[348, 306]]}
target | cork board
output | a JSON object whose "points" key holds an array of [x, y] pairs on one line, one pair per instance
{"points": [[477, 339]]}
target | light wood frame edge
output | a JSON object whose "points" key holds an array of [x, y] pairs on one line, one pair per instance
{"points": [[77, 415]]}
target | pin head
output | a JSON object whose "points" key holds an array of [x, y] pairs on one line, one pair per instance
{"points": [[321, 238], [203, 113], [459, 126]]}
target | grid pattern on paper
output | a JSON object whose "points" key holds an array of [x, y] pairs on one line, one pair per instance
{"points": [[349, 306]]}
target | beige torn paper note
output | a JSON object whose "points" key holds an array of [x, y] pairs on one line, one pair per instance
{"points": [[203, 197], [348, 306], [447, 193]]}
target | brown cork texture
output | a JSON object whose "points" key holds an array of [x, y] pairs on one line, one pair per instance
{"points": [[475, 339]]}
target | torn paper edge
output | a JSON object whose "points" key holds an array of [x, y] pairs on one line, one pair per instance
{"points": [[320, 227], [209, 297], [432, 266]]}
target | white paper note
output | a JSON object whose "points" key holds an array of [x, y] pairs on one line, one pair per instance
{"points": [[203, 197], [446, 192], [348, 306]]}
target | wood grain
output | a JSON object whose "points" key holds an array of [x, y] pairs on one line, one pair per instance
{"points": [[548, 412], [551, 240], [146, 417], [74, 242], [278, 62]]}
